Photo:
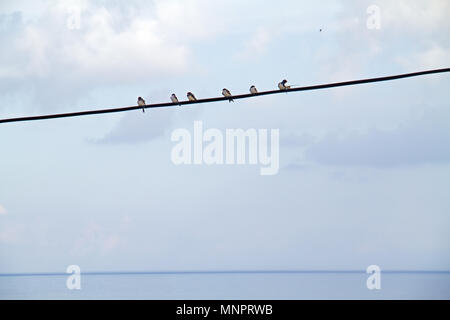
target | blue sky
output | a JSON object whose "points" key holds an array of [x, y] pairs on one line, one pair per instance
{"points": [[364, 170]]}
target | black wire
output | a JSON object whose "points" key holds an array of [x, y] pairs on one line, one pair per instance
{"points": [[242, 96]]}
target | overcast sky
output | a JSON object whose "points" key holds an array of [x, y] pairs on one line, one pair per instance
{"points": [[364, 171]]}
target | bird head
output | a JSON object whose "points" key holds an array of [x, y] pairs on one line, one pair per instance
{"points": [[284, 81]]}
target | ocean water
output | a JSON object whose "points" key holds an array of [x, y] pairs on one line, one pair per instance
{"points": [[282, 285]]}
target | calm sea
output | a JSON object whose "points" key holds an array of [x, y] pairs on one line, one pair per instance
{"points": [[277, 285]]}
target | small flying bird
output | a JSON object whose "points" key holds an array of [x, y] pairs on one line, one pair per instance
{"points": [[191, 96], [227, 93], [253, 90], [282, 85], [174, 98], [141, 102]]}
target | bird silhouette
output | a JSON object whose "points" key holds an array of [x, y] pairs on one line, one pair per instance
{"points": [[141, 102], [282, 85], [253, 90], [174, 98], [226, 93], [191, 96]]}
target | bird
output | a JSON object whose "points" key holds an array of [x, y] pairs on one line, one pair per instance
{"points": [[191, 96], [174, 98], [141, 102], [227, 93], [253, 90], [282, 85]]}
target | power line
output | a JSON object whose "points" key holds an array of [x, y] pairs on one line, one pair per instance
{"points": [[242, 96]]}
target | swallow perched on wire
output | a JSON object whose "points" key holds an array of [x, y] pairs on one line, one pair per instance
{"points": [[174, 98], [191, 96], [141, 102], [226, 93], [253, 90], [282, 85]]}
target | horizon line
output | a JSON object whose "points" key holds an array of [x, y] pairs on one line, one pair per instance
{"points": [[174, 272]]}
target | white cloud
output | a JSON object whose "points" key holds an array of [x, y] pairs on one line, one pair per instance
{"points": [[434, 56], [136, 53], [256, 45], [111, 48], [2, 210], [99, 49], [413, 15], [189, 19]]}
